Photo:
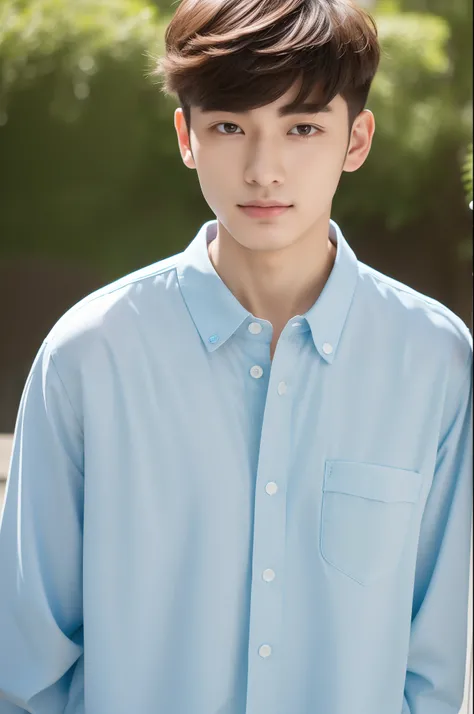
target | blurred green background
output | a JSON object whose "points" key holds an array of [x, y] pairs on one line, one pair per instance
{"points": [[92, 185]]}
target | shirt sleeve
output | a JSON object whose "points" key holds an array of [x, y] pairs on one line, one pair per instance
{"points": [[41, 549], [438, 642]]}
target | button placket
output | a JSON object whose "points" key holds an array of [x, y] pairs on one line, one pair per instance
{"points": [[270, 528]]}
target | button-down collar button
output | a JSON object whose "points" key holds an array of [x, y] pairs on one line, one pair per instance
{"points": [[268, 575], [271, 488], [213, 339], [255, 328], [327, 348], [282, 388], [256, 372], [265, 651], [296, 324]]}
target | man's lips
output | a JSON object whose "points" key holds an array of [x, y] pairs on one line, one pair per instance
{"points": [[264, 212]]}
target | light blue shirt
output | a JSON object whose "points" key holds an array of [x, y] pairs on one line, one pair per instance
{"points": [[191, 528]]}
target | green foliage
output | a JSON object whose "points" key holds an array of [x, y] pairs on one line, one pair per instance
{"points": [[467, 173], [38, 37], [40, 27]]}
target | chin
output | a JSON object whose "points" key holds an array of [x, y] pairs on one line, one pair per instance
{"points": [[259, 235], [263, 240]]}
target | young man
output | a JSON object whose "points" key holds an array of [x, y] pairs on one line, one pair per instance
{"points": [[241, 477]]}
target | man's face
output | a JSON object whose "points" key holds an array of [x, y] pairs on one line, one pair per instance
{"points": [[297, 160]]}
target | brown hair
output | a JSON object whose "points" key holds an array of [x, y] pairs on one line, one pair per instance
{"points": [[237, 55]]}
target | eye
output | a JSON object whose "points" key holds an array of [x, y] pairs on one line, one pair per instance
{"points": [[226, 124], [307, 126], [234, 129]]}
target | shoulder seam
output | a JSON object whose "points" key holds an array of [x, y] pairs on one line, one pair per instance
{"points": [[103, 291], [432, 302]]}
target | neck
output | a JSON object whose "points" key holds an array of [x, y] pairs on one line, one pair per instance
{"points": [[275, 285]]}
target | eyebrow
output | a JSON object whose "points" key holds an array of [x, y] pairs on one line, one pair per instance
{"points": [[308, 108]]}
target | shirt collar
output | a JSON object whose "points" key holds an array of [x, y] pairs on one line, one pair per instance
{"points": [[217, 314]]}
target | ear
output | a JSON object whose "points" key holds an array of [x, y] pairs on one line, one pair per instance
{"points": [[183, 139], [360, 144]]}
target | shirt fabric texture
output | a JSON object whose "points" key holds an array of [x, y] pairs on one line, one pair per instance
{"points": [[191, 528]]}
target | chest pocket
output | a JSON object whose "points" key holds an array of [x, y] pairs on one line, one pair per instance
{"points": [[365, 517]]}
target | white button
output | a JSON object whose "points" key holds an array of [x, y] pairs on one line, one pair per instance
{"points": [[296, 324], [271, 488], [256, 372], [255, 328], [282, 388], [327, 348], [265, 651], [269, 575]]}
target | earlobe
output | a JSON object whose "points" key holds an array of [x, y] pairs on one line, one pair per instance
{"points": [[188, 160]]}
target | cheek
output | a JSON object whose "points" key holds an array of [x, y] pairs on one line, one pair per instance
{"points": [[320, 167], [218, 172], [215, 183], [216, 164]]}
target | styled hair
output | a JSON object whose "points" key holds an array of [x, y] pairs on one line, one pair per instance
{"points": [[238, 55]]}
